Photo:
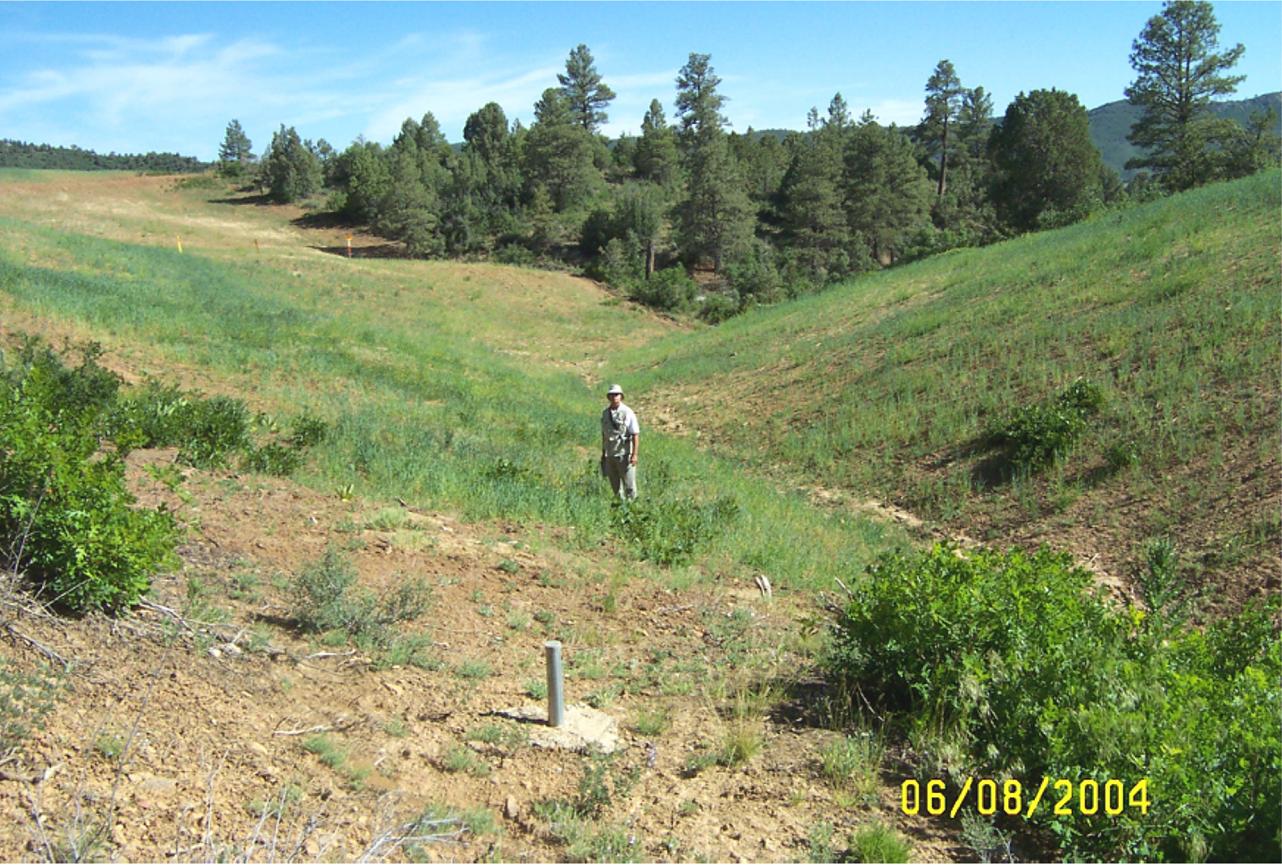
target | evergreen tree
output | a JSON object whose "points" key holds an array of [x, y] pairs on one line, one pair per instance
{"points": [[361, 173], [657, 159], [963, 214], [887, 192], [715, 216], [236, 151], [698, 102], [974, 122], [1179, 69], [943, 103], [811, 209], [291, 169], [585, 93], [409, 208], [559, 154], [492, 183], [763, 161], [1256, 146], [1047, 169]]}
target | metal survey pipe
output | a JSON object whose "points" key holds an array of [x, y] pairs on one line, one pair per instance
{"points": [[556, 692]]}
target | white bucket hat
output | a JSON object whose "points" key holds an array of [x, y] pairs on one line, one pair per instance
{"points": [[614, 388]]}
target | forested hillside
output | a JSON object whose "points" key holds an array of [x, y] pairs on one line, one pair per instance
{"points": [[20, 154]]}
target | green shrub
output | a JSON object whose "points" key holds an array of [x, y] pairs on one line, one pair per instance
{"points": [[1041, 435], [669, 289], [515, 254], [25, 700], [326, 599], [668, 532], [1010, 654], [211, 430], [155, 412], [66, 518], [272, 459], [720, 305], [307, 431]]}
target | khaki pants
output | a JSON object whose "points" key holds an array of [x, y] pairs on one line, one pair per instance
{"points": [[623, 477]]}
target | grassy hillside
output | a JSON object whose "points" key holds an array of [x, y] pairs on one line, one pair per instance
{"points": [[890, 384], [459, 466], [455, 386]]}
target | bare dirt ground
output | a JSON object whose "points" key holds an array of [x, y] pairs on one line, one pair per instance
{"points": [[172, 740]]}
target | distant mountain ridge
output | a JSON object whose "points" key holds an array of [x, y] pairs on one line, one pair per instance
{"points": [[1111, 123]]}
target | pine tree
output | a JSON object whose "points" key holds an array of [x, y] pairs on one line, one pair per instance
{"points": [[887, 192], [1179, 69], [811, 211], [236, 151], [361, 172], [963, 214], [490, 190], [585, 93], [698, 102], [292, 170], [657, 159], [559, 154], [943, 102], [715, 216]]}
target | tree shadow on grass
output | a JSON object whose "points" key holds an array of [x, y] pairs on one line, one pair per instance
{"points": [[260, 200], [324, 219], [378, 250], [993, 467]]}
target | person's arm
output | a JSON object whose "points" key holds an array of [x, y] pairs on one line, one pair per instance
{"points": [[635, 438]]}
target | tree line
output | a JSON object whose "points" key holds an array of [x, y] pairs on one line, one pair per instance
{"points": [[21, 154], [690, 215]]}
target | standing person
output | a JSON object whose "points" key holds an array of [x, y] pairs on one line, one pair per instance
{"points": [[619, 434]]}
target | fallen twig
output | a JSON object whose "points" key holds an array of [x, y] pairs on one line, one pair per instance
{"points": [[319, 728], [38, 646]]}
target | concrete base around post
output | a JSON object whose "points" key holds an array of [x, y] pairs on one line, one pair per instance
{"points": [[583, 729]]}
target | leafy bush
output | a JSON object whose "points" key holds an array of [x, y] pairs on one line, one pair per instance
{"points": [[307, 431], [272, 459], [208, 431], [66, 518], [668, 532], [211, 430], [720, 305], [515, 254], [1011, 655], [755, 276], [669, 289], [154, 413], [1041, 435]]}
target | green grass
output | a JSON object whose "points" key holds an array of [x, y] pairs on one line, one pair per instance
{"points": [[462, 388], [461, 759], [420, 403], [888, 384]]}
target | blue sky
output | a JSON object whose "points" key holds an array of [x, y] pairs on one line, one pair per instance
{"points": [[169, 76]]}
